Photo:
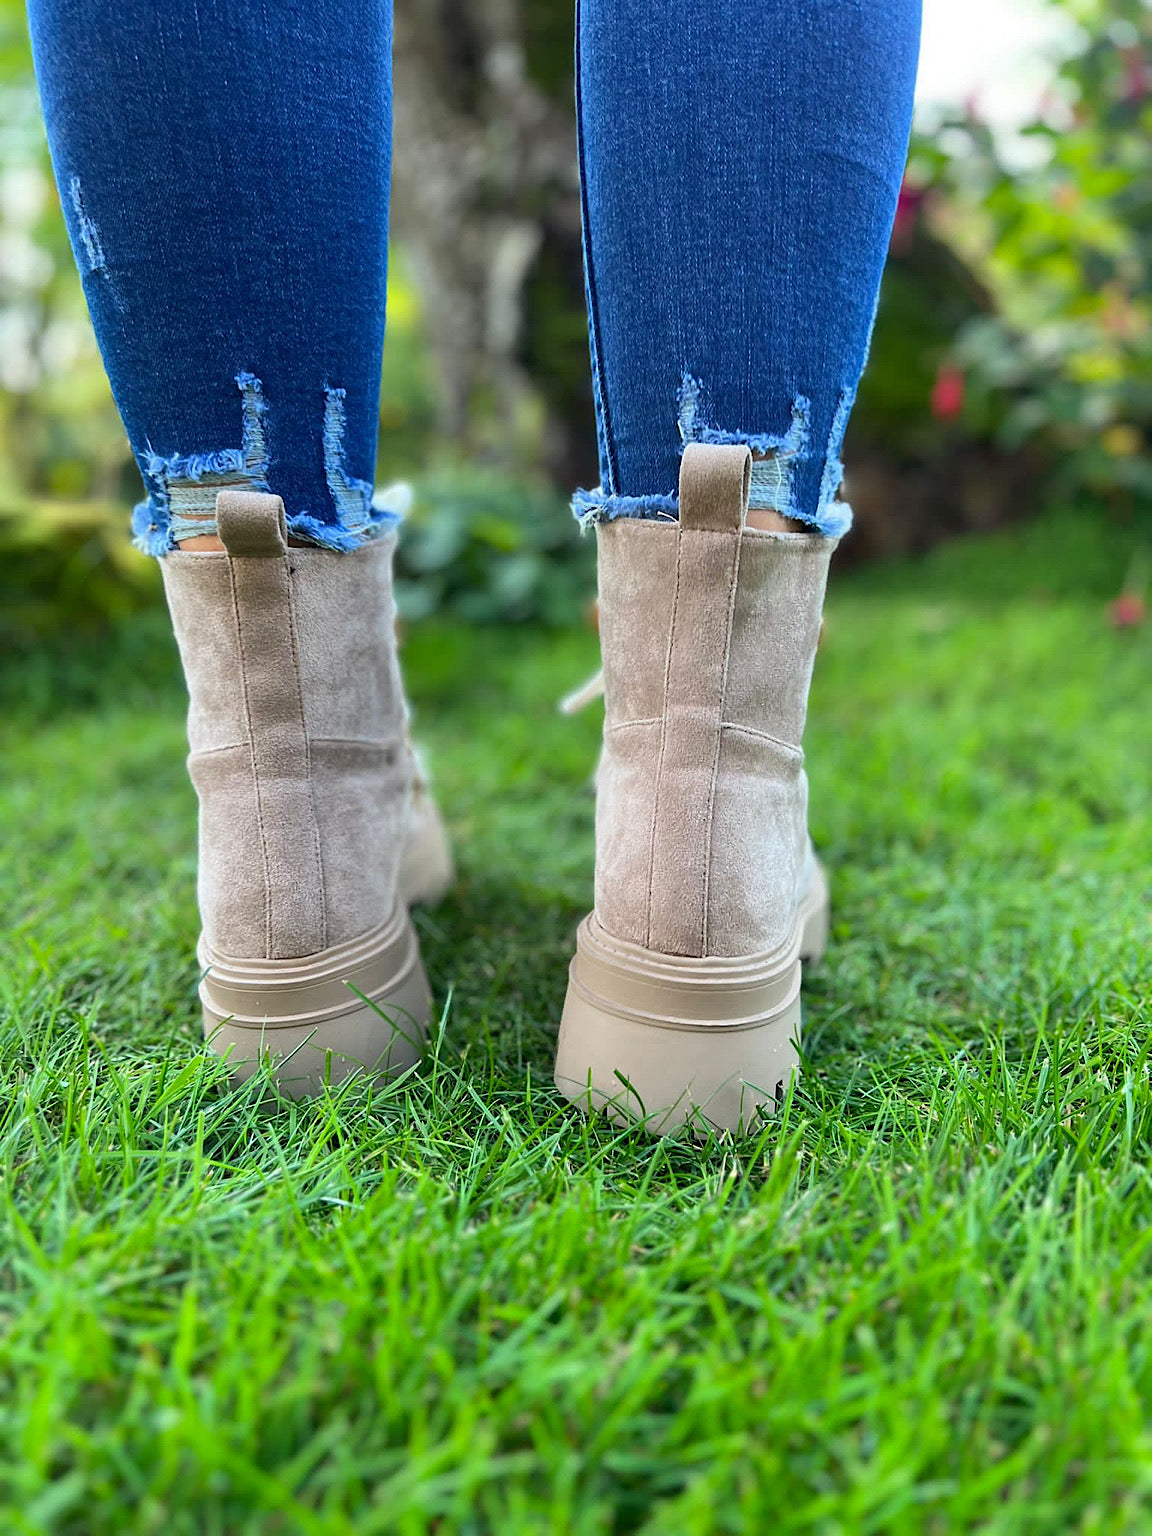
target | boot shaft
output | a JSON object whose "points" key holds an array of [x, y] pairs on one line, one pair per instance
{"points": [[296, 730], [709, 633]]}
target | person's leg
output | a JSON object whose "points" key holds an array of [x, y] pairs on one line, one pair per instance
{"points": [[740, 162], [224, 172]]}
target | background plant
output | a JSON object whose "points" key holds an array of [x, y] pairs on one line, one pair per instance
{"points": [[1061, 234]]}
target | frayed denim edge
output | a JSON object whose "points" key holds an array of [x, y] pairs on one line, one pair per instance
{"points": [[302, 525], [591, 507], [772, 476], [157, 525], [833, 520], [152, 540]]}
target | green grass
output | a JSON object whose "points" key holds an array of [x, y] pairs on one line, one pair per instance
{"points": [[920, 1301]]}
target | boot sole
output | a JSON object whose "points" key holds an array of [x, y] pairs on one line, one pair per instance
{"points": [[357, 1007], [667, 1040]]}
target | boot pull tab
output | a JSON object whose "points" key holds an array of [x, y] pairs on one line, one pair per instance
{"points": [[251, 523], [714, 482]]}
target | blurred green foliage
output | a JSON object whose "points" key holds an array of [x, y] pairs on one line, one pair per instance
{"points": [[67, 565], [491, 549], [1060, 229]]}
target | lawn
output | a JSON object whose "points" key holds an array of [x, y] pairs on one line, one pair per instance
{"points": [[918, 1301]]}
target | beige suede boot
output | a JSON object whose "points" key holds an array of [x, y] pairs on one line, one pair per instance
{"points": [[299, 757], [427, 869], [684, 994]]}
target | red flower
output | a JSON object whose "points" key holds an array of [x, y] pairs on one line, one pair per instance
{"points": [[947, 398], [1135, 86], [908, 208], [1127, 611]]}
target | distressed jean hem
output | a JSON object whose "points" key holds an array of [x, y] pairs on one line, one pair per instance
{"points": [[182, 488], [591, 507], [156, 537]]}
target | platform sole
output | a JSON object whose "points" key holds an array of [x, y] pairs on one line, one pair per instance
{"points": [[357, 1007], [667, 1040]]}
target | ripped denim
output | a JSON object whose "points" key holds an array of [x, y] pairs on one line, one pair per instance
{"points": [[182, 488], [774, 470], [740, 164], [224, 175], [226, 193]]}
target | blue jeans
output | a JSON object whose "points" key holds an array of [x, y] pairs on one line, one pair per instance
{"points": [[224, 171]]}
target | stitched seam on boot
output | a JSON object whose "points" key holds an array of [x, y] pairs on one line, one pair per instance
{"points": [[316, 849], [733, 579], [351, 741], [627, 725], [228, 746], [252, 758], [663, 742], [775, 741]]}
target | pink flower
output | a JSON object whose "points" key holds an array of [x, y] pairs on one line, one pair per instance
{"points": [[947, 399], [1127, 611], [908, 206], [1135, 75]]}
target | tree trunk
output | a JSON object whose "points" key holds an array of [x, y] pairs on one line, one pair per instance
{"points": [[485, 201]]}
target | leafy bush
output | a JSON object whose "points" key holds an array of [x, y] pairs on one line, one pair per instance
{"points": [[1065, 246], [491, 549], [68, 567]]}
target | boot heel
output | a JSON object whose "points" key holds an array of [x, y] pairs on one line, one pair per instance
{"points": [[665, 1039], [815, 915], [358, 1007]]}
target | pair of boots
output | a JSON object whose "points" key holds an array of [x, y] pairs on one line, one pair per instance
{"points": [[683, 998]]}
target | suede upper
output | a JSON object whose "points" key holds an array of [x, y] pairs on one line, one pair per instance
{"points": [[296, 727], [708, 632]]}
